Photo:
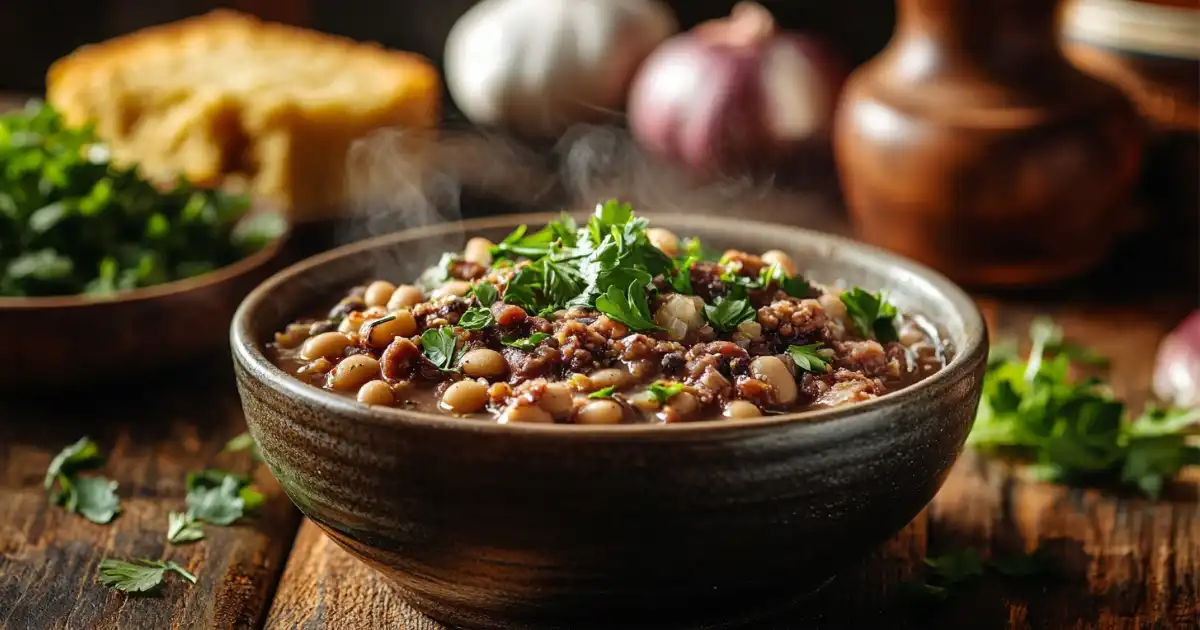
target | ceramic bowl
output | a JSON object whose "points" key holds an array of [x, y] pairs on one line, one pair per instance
{"points": [[79, 342], [484, 525]]}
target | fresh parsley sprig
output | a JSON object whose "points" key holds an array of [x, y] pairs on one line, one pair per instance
{"points": [[438, 345], [726, 314], [629, 308], [604, 392], [664, 391], [528, 344], [1075, 431], [809, 357], [871, 313], [139, 576]]}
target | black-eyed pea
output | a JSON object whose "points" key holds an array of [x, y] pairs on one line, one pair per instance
{"points": [[776, 257], [376, 393], [525, 414], [608, 377], [379, 333], [664, 240], [405, 296], [454, 287], [478, 251], [741, 409], [773, 372], [557, 401], [465, 397], [378, 293], [484, 363], [600, 412], [325, 345], [353, 372]]}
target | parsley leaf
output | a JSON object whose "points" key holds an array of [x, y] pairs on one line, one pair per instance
{"points": [[528, 344], [606, 392], [94, 498], [953, 568], [438, 345], [140, 576], [727, 313], [181, 528], [82, 455], [809, 357], [681, 278], [485, 293], [220, 505], [628, 308], [476, 318], [663, 391], [871, 313], [795, 286]]}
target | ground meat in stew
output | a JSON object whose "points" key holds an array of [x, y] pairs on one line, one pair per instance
{"points": [[494, 333]]}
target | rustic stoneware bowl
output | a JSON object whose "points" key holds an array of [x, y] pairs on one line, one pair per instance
{"points": [[79, 342], [484, 525]]}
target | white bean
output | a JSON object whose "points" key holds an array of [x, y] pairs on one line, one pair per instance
{"points": [[478, 251], [556, 400], [405, 296], [465, 397], [484, 362], [378, 336], [353, 372], [742, 409], [454, 287], [378, 293], [376, 393], [327, 345], [526, 413], [665, 240], [600, 412], [773, 372], [776, 257]]}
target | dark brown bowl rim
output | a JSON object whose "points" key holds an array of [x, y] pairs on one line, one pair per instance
{"points": [[248, 351], [212, 278]]}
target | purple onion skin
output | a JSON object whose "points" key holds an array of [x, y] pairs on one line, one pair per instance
{"points": [[1177, 366], [705, 104]]}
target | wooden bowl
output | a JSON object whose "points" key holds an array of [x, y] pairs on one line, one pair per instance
{"points": [[52, 343], [485, 525]]}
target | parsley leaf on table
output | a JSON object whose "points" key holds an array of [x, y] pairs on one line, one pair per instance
{"points": [[438, 345], [182, 528], [871, 313], [663, 391], [629, 308], [139, 576], [220, 497], [1074, 430], [528, 344], [809, 357], [727, 313], [94, 498]]}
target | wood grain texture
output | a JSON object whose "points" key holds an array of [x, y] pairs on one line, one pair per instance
{"points": [[154, 433]]}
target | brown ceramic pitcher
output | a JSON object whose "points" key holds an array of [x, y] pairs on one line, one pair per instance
{"points": [[972, 144]]}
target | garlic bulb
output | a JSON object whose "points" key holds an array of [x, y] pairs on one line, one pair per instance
{"points": [[537, 67]]}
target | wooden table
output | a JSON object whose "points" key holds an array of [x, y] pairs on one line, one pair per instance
{"points": [[1121, 561]]}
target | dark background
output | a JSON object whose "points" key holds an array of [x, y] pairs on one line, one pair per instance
{"points": [[33, 33]]}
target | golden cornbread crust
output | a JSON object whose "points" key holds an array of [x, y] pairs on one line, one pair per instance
{"points": [[227, 96]]}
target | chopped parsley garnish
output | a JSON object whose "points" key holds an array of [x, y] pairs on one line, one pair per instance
{"points": [[485, 293], [681, 278], [606, 392], [663, 391], [139, 576], [94, 498], [809, 357], [1075, 431], [871, 313], [438, 345], [950, 571], [726, 314], [629, 308], [72, 221], [794, 286], [528, 344], [476, 318]]}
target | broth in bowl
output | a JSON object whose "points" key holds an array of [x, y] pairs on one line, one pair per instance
{"points": [[611, 322]]}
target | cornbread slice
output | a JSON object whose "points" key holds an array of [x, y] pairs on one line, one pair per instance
{"points": [[225, 96]]}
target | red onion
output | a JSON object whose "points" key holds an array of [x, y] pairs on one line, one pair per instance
{"points": [[1177, 367], [735, 94]]}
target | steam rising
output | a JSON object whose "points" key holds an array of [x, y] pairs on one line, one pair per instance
{"points": [[401, 179]]}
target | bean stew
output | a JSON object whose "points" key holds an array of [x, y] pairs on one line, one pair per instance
{"points": [[610, 322]]}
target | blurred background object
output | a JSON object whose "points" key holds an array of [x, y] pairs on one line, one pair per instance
{"points": [[972, 144]]}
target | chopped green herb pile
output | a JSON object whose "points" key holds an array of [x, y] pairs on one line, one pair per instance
{"points": [[73, 222], [93, 497], [1072, 428], [139, 576]]}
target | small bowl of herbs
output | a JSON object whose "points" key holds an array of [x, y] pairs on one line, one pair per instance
{"points": [[104, 273]]}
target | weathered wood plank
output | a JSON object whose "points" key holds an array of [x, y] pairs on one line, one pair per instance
{"points": [[153, 433]]}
